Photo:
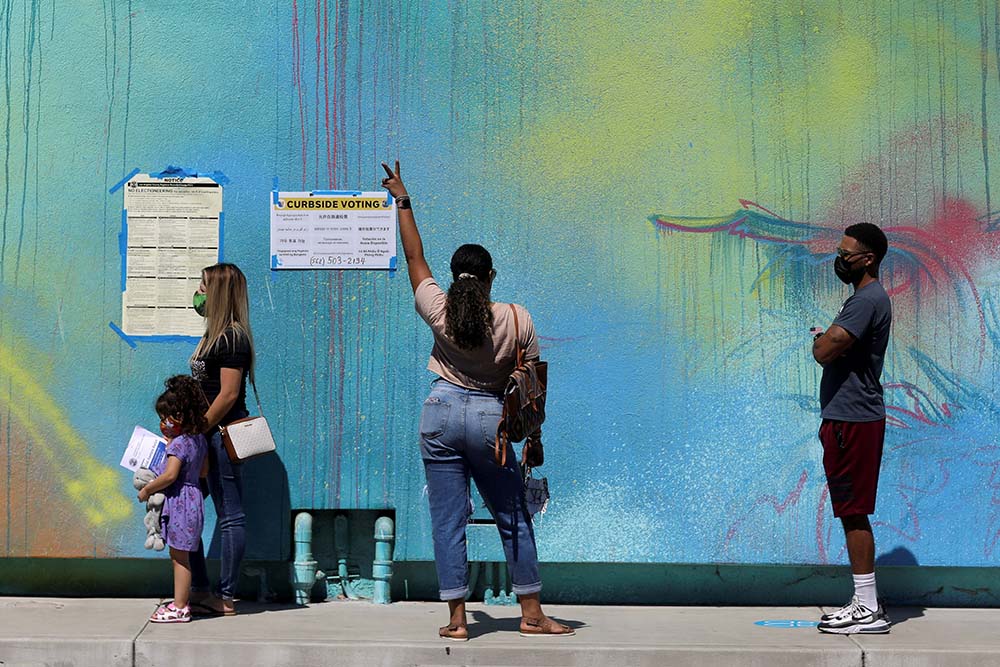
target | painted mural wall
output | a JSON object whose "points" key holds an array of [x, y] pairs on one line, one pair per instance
{"points": [[662, 184]]}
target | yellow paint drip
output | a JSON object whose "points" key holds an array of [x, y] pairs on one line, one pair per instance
{"points": [[86, 481]]}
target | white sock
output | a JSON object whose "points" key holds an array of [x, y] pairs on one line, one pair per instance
{"points": [[864, 588]]}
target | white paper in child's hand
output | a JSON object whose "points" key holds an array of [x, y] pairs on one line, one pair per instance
{"points": [[145, 450]]}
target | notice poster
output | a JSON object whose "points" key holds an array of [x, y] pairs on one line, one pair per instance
{"points": [[315, 230], [171, 234]]}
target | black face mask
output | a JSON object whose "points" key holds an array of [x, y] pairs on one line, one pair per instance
{"points": [[844, 271]]}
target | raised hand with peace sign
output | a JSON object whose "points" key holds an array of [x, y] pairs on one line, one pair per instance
{"points": [[413, 247], [393, 183]]}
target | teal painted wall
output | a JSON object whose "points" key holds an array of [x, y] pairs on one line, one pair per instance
{"points": [[661, 184]]}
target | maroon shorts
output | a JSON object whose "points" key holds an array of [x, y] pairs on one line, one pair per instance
{"points": [[852, 457]]}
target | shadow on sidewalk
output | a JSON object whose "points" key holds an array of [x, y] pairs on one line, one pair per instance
{"points": [[250, 608], [484, 624], [900, 556], [900, 615]]}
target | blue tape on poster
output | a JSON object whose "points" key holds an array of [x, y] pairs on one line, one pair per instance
{"points": [[122, 182], [167, 339], [274, 191], [275, 262], [392, 263], [181, 172], [123, 245], [124, 336], [133, 341]]}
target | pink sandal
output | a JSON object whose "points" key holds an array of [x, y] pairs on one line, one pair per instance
{"points": [[168, 613]]}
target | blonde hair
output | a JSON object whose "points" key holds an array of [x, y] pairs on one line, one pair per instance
{"points": [[227, 306]]}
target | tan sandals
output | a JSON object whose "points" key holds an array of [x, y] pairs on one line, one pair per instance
{"points": [[544, 627], [455, 633], [530, 627]]}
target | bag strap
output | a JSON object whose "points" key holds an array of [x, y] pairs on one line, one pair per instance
{"points": [[519, 351], [500, 444], [501, 441], [253, 384]]}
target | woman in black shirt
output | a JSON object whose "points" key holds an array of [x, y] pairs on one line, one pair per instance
{"points": [[221, 362]]}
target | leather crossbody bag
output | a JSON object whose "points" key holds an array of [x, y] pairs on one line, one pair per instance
{"points": [[248, 437], [523, 400]]}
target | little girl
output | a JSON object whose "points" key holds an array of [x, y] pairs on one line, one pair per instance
{"points": [[182, 409]]}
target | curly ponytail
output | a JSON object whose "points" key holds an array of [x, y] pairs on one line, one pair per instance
{"points": [[468, 316]]}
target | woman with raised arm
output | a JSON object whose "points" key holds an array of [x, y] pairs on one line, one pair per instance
{"points": [[473, 356]]}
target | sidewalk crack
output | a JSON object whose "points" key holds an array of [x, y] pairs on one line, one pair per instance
{"points": [[139, 634], [864, 654]]}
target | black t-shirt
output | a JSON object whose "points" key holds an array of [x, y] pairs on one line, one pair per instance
{"points": [[232, 351]]}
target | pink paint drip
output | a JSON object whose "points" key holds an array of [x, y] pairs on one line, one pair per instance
{"points": [[768, 500], [297, 84]]}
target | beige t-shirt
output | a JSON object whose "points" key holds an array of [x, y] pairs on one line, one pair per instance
{"points": [[487, 367]]}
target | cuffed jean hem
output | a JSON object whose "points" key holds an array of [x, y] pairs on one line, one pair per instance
{"points": [[526, 590], [454, 593]]}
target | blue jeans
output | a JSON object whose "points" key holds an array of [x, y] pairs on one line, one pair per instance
{"points": [[225, 483], [457, 432]]}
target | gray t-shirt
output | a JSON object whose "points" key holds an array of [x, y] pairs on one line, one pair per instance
{"points": [[850, 390]]}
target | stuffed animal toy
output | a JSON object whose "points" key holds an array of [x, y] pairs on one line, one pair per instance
{"points": [[154, 509]]}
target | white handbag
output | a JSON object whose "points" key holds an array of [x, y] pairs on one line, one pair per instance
{"points": [[248, 437]]}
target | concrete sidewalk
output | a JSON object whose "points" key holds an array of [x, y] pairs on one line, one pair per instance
{"points": [[51, 631]]}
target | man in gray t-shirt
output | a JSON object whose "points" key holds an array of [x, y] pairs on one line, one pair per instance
{"points": [[851, 352], [850, 390]]}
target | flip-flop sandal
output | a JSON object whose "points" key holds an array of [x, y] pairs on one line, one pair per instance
{"points": [[543, 628], [201, 609], [198, 609], [168, 613], [445, 633]]}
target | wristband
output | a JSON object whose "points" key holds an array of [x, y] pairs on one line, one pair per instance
{"points": [[403, 202]]}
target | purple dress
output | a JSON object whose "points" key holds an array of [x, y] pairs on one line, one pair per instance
{"points": [[184, 510]]}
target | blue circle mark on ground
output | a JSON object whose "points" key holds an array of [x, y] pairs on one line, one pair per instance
{"points": [[787, 624]]}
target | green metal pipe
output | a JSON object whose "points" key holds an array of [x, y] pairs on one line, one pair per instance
{"points": [[382, 565], [304, 572]]}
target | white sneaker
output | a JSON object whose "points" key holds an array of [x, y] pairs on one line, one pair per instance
{"points": [[833, 614], [855, 618]]}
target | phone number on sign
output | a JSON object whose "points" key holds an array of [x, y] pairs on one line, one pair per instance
{"points": [[336, 260]]}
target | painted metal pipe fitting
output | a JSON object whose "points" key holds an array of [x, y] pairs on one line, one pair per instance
{"points": [[496, 586], [304, 572], [342, 545], [382, 565]]}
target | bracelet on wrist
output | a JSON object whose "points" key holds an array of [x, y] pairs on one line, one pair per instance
{"points": [[403, 202]]}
